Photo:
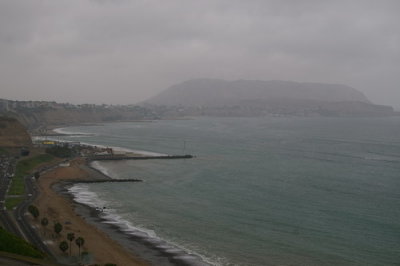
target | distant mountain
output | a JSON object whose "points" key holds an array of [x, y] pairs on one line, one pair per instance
{"points": [[255, 97], [214, 92]]}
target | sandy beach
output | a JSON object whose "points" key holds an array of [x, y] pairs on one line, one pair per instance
{"points": [[58, 208]]}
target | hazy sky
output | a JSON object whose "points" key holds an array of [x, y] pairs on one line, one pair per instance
{"points": [[123, 51]]}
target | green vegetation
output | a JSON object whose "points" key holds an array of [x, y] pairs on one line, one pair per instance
{"points": [[61, 151], [24, 168], [36, 175], [63, 246], [79, 242], [70, 237], [3, 151], [44, 221], [58, 228], [12, 244], [34, 211], [13, 201]]}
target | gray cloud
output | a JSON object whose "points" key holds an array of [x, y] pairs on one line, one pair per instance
{"points": [[124, 51]]}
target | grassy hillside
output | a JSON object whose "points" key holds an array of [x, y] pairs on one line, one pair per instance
{"points": [[12, 244], [24, 168]]}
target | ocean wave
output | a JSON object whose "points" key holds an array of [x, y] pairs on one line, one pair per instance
{"points": [[67, 131], [380, 157], [106, 171], [115, 148], [76, 134], [124, 149], [82, 194]]}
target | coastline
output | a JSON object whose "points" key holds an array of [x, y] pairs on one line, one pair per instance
{"points": [[138, 247], [51, 129], [58, 207], [152, 250], [325, 160]]}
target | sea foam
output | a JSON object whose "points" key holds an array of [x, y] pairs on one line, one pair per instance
{"points": [[81, 193], [96, 165], [117, 149], [66, 131]]}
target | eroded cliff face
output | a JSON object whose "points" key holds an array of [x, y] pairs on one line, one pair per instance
{"points": [[13, 133], [38, 118]]}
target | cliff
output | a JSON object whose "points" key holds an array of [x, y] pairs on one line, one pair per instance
{"points": [[39, 114], [13, 133]]}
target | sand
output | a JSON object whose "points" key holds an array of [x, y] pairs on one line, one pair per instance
{"points": [[58, 208]]}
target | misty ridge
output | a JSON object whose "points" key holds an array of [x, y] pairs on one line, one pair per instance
{"points": [[208, 97], [217, 92], [256, 97]]}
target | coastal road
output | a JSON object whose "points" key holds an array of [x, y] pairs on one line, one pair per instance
{"points": [[19, 213], [8, 223], [21, 226], [6, 170]]}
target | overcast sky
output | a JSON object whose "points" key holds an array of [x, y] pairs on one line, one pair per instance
{"points": [[123, 51]]}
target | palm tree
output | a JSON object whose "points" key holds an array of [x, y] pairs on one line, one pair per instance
{"points": [[63, 246], [79, 242], [70, 237], [58, 228], [44, 223]]}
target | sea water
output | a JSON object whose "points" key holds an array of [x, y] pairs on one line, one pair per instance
{"points": [[261, 191]]}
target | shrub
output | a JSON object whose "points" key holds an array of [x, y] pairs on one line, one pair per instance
{"points": [[34, 211]]}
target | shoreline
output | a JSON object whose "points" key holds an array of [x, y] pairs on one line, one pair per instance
{"points": [[145, 249], [50, 130], [152, 249], [57, 207], [93, 218]]}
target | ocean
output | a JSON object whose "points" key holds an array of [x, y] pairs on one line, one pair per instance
{"points": [[260, 191]]}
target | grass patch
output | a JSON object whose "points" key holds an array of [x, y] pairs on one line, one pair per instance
{"points": [[3, 151], [11, 202], [24, 168], [13, 244]]}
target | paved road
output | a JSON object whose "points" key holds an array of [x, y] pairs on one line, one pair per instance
{"points": [[23, 223], [12, 262], [22, 227], [19, 214], [7, 166], [8, 223], [6, 171]]}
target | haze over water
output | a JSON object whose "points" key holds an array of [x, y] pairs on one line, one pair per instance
{"points": [[261, 191]]}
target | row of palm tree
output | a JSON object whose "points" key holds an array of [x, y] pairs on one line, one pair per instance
{"points": [[63, 246], [78, 241]]}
